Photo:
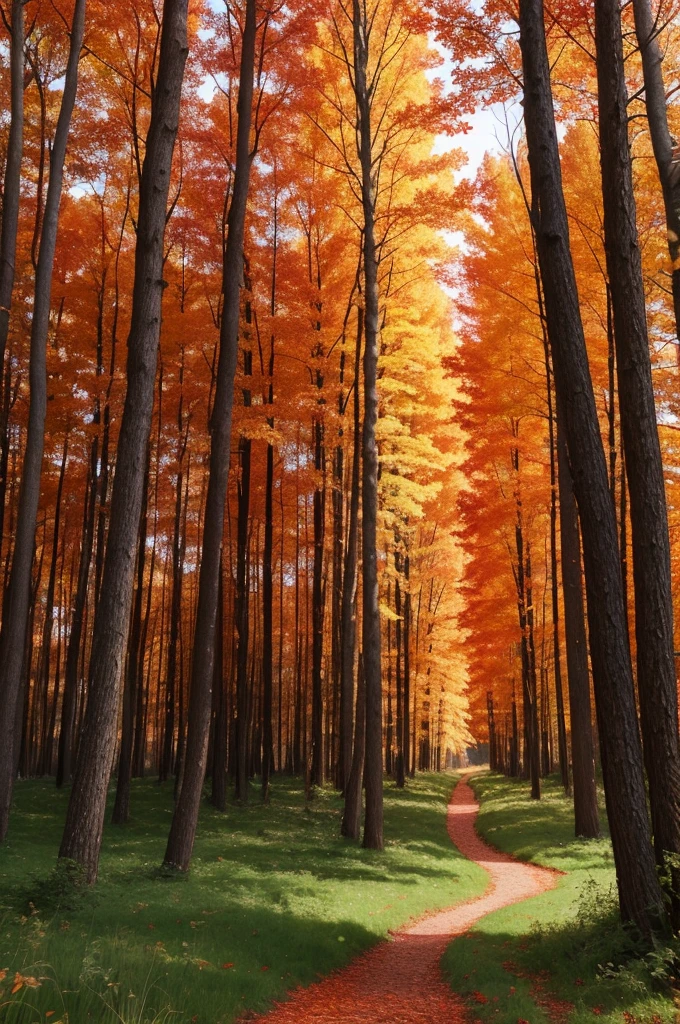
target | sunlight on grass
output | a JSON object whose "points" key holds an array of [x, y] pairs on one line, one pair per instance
{"points": [[530, 961], [274, 899]]}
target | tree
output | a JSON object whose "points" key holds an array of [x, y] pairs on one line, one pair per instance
{"points": [[185, 818], [17, 598], [647, 29], [81, 841], [639, 891], [656, 676]]}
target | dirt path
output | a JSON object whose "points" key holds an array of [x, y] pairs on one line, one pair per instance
{"points": [[399, 981]]}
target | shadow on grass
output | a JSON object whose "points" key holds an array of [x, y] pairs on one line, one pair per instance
{"points": [[247, 958], [563, 955], [274, 899]]}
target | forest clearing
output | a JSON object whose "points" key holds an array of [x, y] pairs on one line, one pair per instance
{"points": [[339, 542]]}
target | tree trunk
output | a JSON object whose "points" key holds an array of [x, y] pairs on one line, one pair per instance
{"points": [[406, 742], [318, 595], [656, 678], [399, 637], [348, 627], [11, 186], [646, 30], [17, 605], [554, 582], [218, 795], [586, 819], [351, 818], [185, 819], [45, 661], [267, 626], [639, 891], [121, 808], [373, 821], [85, 816], [11, 198], [242, 621], [167, 759], [267, 559]]}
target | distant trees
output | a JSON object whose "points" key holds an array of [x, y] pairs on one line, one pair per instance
{"points": [[302, 528], [189, 614]]}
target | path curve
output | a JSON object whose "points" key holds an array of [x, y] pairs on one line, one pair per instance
{"points": [[399, 981]]}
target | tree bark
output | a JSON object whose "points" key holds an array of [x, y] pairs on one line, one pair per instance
{"points": [[554, 582], [11, 188], [121, 807], [218, 795], [267, 558], [348, 610], [657, 688], [81, 841], [640, 895], [646, 30], [45, 661], [586, 818], [373, 820], [11, 199], [16, 614], [168, 755], [185, 819], [351, 818]]}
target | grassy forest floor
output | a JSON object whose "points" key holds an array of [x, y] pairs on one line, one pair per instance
{"points": [[562, 957], [275, 898]]}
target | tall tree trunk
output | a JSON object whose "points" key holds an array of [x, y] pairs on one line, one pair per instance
{"points": [[62, 604], [85, 816], [351, 818], [267, 627], [586, 819], [185, 819], [554, 582], [406, 717], [17, 606], [657, 687], [373, 820], [267, 559], [242, 621], [218, 795], [69, 704], [167, 758], [348, 610], [45, 662], [11, 197], [398, 607], [639, 891], [318, 595], [121, 808], [522, 573], [143, 688], [647, 32]]}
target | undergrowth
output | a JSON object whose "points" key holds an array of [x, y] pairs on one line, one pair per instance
{"points": [[275, 898], [564, 955]]}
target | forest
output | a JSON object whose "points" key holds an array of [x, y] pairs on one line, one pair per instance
{"points": [[339, 400]]}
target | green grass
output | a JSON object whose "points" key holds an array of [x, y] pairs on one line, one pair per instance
{"points": [[557, 940], [274, 899]]}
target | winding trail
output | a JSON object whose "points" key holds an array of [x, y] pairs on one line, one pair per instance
{"points": [[399, 981]]}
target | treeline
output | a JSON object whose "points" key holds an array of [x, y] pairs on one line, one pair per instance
{"points": [[569, 377], [227, 515]]}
